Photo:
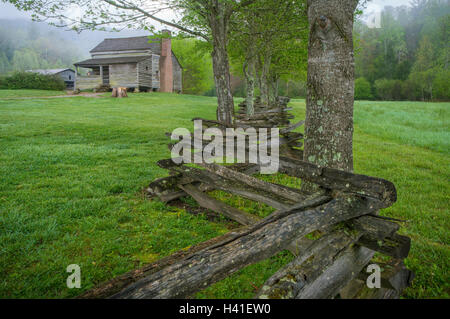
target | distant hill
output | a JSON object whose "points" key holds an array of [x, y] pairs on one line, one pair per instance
{"points": [[31, 45]]}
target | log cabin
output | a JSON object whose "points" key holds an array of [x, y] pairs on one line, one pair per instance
{"points": [[142, 63]]}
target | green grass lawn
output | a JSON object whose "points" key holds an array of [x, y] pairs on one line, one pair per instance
{"points": [[29, 93], [72, 173]]}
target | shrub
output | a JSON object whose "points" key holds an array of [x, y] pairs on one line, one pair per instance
{"points": [[363, 89], [28, 80], [388, 90], [410, 91], [441, 85]]}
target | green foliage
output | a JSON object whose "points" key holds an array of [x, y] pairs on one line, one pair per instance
{"points": [[25, 59], [410, 90], [29, 80], [411, 47], [388, 90], [441, 84], [24, 46], [272, 35], [363, 89], [197, 65], [293, 89]]}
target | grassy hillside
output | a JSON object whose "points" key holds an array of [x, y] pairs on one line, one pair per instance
{"points": [[73, 171]]}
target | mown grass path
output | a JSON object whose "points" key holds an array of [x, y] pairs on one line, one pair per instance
{"points": [[72, 171]]}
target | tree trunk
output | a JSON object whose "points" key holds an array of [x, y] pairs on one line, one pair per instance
{"points": [[218, 21], [273, 90], [119, 92], [249, 72], [264, 79], [329, 112]]}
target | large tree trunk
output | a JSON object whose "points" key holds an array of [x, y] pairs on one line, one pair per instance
{"points": [[218, 20], [329, 112]]}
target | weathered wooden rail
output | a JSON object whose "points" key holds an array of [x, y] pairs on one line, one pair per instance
{"points": [[276, 116], [344, 211]]}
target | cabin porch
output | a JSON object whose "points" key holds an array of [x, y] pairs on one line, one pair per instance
{"points": [[96, 75]]}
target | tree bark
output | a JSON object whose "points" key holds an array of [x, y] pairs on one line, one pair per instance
{"points": [[273, 89], [329, 112], [249, 72], [264, 79], [119, 92], [218, 21]]}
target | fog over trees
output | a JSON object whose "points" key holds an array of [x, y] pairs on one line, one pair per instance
{"points": [[28, 45], [407, 57]]}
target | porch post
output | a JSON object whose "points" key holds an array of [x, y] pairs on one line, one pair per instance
{"points": [[76, 78]]}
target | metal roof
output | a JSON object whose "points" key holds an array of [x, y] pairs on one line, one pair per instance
{"points": [[49, 71], [125, 44]]}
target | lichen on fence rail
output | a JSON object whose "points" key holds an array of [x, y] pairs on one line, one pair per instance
{"points": [[352, 213]]}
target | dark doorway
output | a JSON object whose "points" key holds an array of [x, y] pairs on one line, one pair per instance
{"points": [[106, 74]]}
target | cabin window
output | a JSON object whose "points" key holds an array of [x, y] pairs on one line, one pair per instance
{"points": [[70, 77], [95, 70]]}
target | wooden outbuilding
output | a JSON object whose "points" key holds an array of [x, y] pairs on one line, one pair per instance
{"points": [[142, 63], [67, 75]]}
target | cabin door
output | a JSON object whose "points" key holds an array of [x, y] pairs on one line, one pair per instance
{"points": [[105, 76]]}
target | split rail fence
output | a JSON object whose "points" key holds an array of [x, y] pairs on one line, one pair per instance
{"points": [[342, 215]]}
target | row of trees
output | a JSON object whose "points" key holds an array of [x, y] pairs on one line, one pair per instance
{"points": [[407, 58], [268, 42], [267, 48]]}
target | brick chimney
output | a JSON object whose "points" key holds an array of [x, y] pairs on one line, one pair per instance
{"points": [[165, 64]]}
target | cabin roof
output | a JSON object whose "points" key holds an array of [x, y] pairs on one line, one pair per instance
{"points": [[107, 61], [49, 71], [125, 44]]}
